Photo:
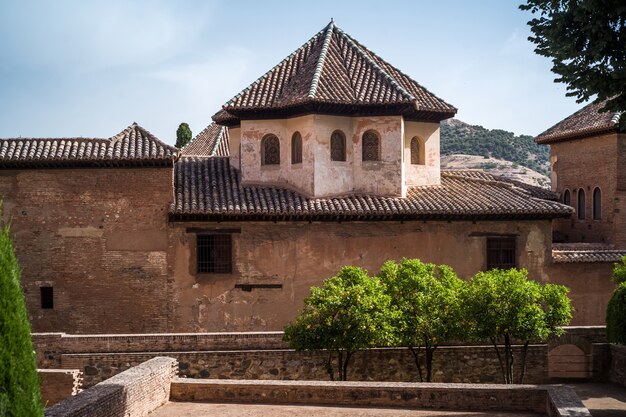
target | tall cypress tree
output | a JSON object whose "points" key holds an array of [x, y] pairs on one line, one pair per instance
{"points": [[183, 135], [19, 382]]}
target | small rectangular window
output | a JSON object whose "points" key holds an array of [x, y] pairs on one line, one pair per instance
{"points": [[501, 253], [47, 297], [214, 253]]}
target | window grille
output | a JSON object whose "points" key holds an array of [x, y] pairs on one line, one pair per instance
{"points": [[371, 146], [337, 146], [581, 205], [296, 148], [597, 204], [415, 151], [270, 150], [501, 253], [214, 253], [47, 297]]}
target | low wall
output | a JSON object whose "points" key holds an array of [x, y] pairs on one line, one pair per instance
{"points": [[472, 364], [133, 393], [618, 364], [553, 401], [59, 384]]}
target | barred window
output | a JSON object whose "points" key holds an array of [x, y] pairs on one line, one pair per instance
{"points": [[416, 155], [47, 297], [337, 146], [371, 146], [214, 253], [296, 148], [581, 205], [270, 150], [597, 204], [501, 253]]}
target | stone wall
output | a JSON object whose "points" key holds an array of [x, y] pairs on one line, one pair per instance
{"points": [[618, 364], [475, 364], [133, 393], [98, 237], [59, 384]]}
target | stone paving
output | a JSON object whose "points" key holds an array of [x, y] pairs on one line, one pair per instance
{"points": [[602, 399], [174, 409]]}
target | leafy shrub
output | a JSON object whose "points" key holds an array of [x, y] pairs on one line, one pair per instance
{"points": [[616, 316]]}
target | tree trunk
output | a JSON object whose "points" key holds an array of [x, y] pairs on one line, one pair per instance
{"points": [[340, 364], [329, 366], [508, 358], [430, 351], [523, 363], [417, 361], [495, 345], [345, 366]]}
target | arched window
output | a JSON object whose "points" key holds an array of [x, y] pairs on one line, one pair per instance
{"points": [[581, 204], [417, 154], [567, 199], [296, 148], [270, 150], [337, 146], [371, 146], [597, 204]]}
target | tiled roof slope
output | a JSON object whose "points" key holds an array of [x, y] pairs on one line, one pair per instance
{"points": [[585, 122], [334, 73], [133, 146], [209, 188], [586, 252], [478, 174], [212, 141]]}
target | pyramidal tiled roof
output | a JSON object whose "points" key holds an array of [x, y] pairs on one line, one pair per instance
{"points": [[212, 141], [211, 189], [133, 146], [334, 73], [587, 121]]}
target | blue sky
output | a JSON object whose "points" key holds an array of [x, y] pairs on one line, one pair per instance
{"points": [[78, 68]]}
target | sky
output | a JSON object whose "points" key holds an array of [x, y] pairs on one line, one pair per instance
{"points": [[91, 68]]}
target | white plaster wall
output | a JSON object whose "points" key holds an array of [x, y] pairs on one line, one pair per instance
{"points": [[332, 177], [430, 172]]}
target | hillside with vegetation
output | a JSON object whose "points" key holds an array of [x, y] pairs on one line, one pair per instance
{"points": [[521, 152]]}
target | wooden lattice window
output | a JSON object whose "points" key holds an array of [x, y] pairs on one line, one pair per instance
{"points": [[270, 150], [47, 297], [597, 204], [581, 205], [371, 146], [214, 253], [416, 154], [337, 146], [567, 199], [501, 253], [296, 148]]}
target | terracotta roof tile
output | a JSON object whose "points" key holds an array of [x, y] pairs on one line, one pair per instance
{"points": [[585, 122], [210, 188], [212, 141], [334, 72], [132, 146], [586, 252]]}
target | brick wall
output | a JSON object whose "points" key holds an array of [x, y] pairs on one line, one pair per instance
{"points": [[618, 364], [59, 384], [99, 238], [133, 393], [475, 364]]}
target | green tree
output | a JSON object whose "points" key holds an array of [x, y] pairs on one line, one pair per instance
{"points": [[504, 306], [349, 312], [616, 316], [585, 39], [19, 382], [429, 300], [619, 271], [183, 135]]}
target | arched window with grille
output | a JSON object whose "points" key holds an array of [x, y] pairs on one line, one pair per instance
{"points": [[417, 153], [296, 148], [567, 199], [371, 146], [337, 146], [597, 204], [270, 150], [581, 204]]}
